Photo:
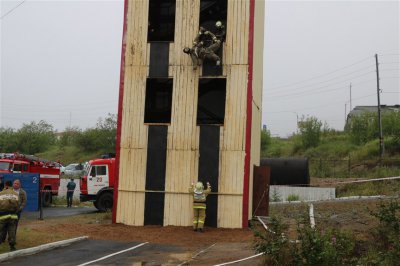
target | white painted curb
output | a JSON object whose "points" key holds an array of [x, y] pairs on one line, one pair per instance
{"points": [[29, 251]]}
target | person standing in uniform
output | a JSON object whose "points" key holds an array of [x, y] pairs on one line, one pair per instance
{"points": [[199, 204], [70, 192], [9, 207], [22, 196]]}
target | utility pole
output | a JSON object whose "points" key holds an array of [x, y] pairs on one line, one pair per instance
{"points": [[345, 113], [350, 98], [381, 145]]}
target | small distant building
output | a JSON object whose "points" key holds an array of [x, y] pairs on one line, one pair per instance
{"points": [[360, 110]]}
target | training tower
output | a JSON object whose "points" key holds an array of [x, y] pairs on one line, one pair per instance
{"points": [[177, 125]]}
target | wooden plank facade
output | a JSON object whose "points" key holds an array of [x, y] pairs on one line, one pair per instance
{"points": [[183, 132]]}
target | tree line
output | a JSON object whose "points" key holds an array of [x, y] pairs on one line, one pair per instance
{"points": [[358, 132], [36, 137]]}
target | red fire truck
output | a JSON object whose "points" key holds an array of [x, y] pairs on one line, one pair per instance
{"points": [[49, 171], [97, 183]]}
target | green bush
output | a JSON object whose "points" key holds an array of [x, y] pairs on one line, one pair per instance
{"points": [[387, 234], [310, 131], [273, 243], [293, 197], [314, 247]]}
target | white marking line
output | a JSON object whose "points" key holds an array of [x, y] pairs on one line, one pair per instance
{"points": [[236, 261], [312, 220], [368, 180], [108, 256], [193, 257]]}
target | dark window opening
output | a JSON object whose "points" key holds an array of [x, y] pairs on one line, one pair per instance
{"points": [[158, 100], [212, 11], [161, 26], [211, 101]]}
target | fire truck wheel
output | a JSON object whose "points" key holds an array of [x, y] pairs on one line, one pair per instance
{"points": [[47, 199], [105, 202]]}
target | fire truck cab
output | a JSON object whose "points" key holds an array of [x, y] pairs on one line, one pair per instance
{"points": [[97, 183]]}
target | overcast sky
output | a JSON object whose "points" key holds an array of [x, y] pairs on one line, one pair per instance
{"points": [[60, 60]]}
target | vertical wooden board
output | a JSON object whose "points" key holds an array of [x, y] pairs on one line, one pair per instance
{"points": [[186, 27], [231, 179], [133, 130], [132, 169], [179, 174], [136, 51], [182, 121], [229, 34], [130, 208], [179, 210], [235, 116], [231, 207]]}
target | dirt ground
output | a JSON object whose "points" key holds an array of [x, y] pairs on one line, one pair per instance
{"points": [[214, 246]]}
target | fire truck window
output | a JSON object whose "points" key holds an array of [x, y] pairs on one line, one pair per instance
{"points": [[158, 100], [101, 170], [161, 26], [17, 168], [4, 166], [93, 171], [25, 168]]}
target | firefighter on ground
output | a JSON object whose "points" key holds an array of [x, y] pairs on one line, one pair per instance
{"points": [[9, 207], [199, 204]]}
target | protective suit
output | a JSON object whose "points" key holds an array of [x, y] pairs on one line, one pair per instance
{"points": [[199, 204], [9, 206]]}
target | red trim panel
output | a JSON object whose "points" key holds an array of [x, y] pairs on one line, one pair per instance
{"points": [[245, 215], [119, 119]]}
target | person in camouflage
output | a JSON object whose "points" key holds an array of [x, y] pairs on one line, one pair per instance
{"points": [[200, 51], [9, 207], [199, 204]]}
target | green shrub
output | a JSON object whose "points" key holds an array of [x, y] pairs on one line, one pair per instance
{"points": [[273, 243], [315, 247], [310, 131], [293, 197], [387, 234]]}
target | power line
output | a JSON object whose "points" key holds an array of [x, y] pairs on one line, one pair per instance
{"points": [[342, 81], [291, 84], [12, 10], [319, 106], [312, 84], [303, 94]]}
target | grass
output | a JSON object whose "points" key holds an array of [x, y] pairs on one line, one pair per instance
{"points": [[27, 237], [387, 188], [67, 154]]}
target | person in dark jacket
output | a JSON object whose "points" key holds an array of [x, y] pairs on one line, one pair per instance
{"points": [[70, 192]]}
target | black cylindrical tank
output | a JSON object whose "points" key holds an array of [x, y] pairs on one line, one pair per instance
{"points": [[288, 171]]}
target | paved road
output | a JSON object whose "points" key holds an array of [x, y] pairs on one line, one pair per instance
{"points": [[58, 212], [91, 250]]}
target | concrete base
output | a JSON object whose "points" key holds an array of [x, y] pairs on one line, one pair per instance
{"points": [[281, 193]]}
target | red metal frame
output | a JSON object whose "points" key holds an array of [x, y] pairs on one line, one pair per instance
{"points": [[246, 178], [119, 119]]}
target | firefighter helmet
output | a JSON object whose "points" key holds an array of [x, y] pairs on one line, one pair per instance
{"points": [[199, 186]]}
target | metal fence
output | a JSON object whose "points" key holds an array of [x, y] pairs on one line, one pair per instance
{"points": [[342, 168]]}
